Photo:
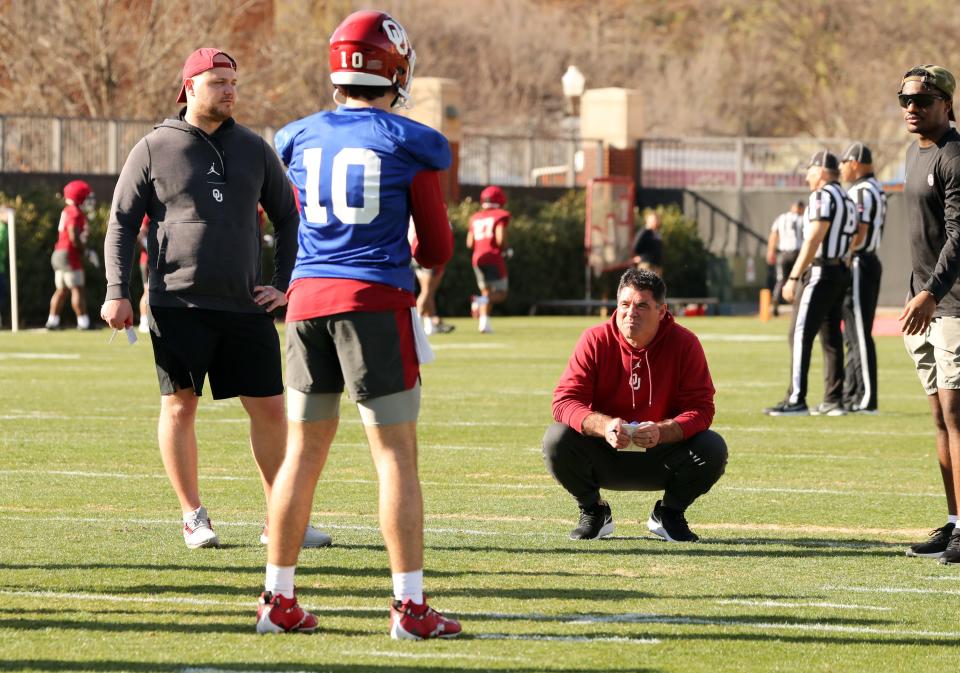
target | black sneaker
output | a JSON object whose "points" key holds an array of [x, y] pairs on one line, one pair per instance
{"points": [[952, 553], [594, 522], [935, 545], [670, 524], [443, 328], [828, 409], [786, 408]]}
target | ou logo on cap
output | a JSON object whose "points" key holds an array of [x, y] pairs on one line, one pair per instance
{"points": [[218, 196], [397, 35]]}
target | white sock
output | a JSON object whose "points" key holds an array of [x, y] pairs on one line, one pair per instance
{"points": [[427, 325], [53, 320], [83, 321], [279, 580], [408, 586], [952, 518], [484, 322], [190, 516]]}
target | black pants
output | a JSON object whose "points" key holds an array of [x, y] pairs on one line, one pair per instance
{"points": [[859, 309], [817, 309], [684, 471], [785, 261]]}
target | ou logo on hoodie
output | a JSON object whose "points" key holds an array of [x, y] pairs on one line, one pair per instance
{"points": [[218, 196], [635, 379]]}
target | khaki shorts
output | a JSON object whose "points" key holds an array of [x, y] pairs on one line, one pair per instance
{"points": [[936, 354]]}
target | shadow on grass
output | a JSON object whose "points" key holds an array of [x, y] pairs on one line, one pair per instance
{"points": [[116, 666]]}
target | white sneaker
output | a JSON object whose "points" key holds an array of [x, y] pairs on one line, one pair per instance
{"points": [[198, 532], [144, 326], [486, 329], [314, 537]]}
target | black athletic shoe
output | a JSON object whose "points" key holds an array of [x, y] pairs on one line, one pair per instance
{"points": [[594, 522], [785, 408], [952, 553], [670, 524], [935, 545], [443, 328]]}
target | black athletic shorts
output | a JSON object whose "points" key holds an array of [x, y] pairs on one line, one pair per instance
{"points": [[240, 352]]}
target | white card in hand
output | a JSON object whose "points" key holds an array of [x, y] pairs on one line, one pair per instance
{"points": [[131, 335]]}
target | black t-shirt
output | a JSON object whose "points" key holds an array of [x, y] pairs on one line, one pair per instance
{"points": [[931, 193], [648, 246]]}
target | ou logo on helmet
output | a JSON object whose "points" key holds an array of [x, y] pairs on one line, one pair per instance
{"points": [[396, 34]]}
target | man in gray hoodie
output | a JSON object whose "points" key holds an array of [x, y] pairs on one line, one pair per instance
{"points": [[199, 177]]}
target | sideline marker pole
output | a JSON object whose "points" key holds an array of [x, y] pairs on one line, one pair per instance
{"points": [[764, 305]]}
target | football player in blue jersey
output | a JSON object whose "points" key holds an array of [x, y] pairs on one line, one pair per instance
{"points": [[360, 172]]}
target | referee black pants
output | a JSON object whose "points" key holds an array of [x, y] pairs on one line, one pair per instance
{"points": [[859, 309], [684, 470], [817, 310], [785, 261]]}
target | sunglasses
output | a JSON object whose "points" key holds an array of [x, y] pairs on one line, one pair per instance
{"points": [[920, 100]]}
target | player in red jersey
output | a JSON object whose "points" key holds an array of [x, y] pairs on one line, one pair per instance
{"points": [[488, 238], [67, 258]]}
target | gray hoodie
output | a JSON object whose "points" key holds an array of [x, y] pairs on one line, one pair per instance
{"points": [[200, 192]]}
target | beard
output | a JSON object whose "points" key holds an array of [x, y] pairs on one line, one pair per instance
{"points": [[218, 112]]}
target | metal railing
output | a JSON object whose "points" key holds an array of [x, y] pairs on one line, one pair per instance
{"points": [[750, 163], [32, 144], [529, 161]]}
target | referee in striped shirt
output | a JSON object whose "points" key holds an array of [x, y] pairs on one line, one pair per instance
{"points": [[860, 303], [817, 285]]}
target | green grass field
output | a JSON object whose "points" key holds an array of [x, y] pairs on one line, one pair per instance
{"points": [[801, 567]]}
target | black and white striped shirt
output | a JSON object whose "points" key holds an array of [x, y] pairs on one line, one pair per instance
{"points": [[789, 228], [831, 203], [871, 203]]}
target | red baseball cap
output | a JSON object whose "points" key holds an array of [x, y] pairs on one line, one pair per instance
{"points": [[203, 59]]}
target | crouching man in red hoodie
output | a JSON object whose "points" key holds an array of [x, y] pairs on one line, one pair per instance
{"points": [[633, 411]]}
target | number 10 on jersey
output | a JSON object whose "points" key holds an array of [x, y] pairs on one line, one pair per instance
{"points": [[369, 163]]}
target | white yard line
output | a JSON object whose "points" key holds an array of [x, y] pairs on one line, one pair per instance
{"points": [[474, 484], [39, 356], [804, 604], [567, 639]]}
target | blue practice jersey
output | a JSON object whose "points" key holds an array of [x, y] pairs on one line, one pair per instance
{"points": [[352, 169]]}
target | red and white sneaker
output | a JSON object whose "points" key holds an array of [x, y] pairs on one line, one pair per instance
{"points": [[198, 531], [276, 614], [410, 621]]}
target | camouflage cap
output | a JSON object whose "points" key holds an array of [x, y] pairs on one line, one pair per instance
{"points": [[935, 76]]}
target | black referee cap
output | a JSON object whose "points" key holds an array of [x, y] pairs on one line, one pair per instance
{"points": [[857, 152], [824, 159]]}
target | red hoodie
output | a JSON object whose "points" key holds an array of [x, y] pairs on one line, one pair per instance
{"points": [[668, 378]]}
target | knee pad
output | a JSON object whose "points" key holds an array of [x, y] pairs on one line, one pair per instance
{"points": [[401, 407], [312, 406]]}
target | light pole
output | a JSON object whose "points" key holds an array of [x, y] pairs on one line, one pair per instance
{"points": [[573, 83]]}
